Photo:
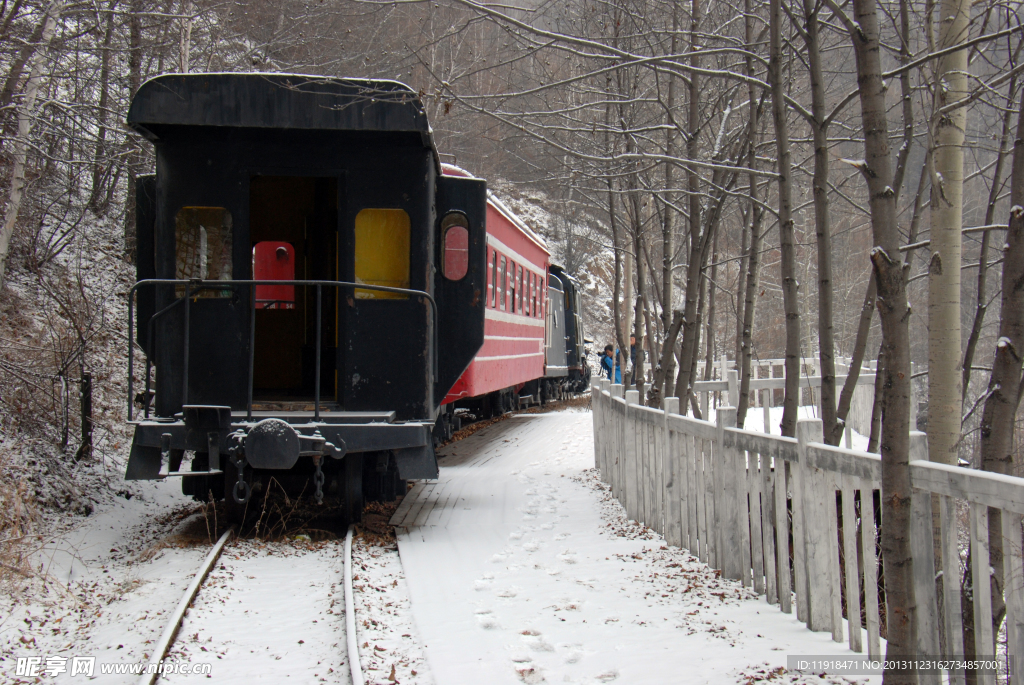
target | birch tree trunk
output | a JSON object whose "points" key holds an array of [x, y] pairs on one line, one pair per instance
{"points": [[998, 419], [895, 314], [709, 334], [753, 260], [26, 112], [691, 320], [822, 219], [668, 224], [944, 354], [98, 175], [993, 196], [787, 242], [135, 77], [186, 36]]}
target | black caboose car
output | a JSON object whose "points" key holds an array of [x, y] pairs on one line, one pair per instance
{"points": [[309, 285]]}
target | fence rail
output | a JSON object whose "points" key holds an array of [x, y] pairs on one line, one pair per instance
{"points": [[767, 378], [797, 517]]}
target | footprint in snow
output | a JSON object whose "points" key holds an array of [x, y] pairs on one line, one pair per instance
{"points": [[515, 535], [498, 558], [508, 593], [567, 557], [531, 546], [530, 675], [547, 526], [561, 536], [535, 642], [607, 676], [573, 653], [486, 619]]}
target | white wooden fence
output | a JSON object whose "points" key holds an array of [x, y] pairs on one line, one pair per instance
{"points": [[768, 379], [735, 498]]}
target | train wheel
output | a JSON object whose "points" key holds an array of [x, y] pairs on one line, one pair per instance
{"points": [[353, 489]]}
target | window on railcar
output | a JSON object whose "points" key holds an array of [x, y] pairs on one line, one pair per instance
{"points": [[502, 283], [532, 302], [512, 287], [455, 229], [493, 285], [202, 247], [517, 289], [516, 305], [382, 252], [538, 295]]}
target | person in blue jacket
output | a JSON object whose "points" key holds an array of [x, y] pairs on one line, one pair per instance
{"points": [[608, 362]]}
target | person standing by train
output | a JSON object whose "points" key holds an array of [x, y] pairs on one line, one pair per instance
{"points": [[608, 363]]}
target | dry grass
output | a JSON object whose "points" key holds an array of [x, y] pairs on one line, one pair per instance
{"points": [[18, 521]]}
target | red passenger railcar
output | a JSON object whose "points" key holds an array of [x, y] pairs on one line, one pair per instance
{"points": [[513, 351]]}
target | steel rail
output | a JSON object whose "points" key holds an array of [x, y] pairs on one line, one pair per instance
{"points": [[151, 671], [354, 667]]}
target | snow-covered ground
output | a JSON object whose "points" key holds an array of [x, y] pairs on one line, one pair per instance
{"points": [[522, 568], [106, 586], [515, 566], [755, 422]]}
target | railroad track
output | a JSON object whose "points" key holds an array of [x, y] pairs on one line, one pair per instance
{"points": [[162, 647]]}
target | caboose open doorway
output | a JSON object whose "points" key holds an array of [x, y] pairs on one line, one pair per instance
{"points": [[293, 230]]}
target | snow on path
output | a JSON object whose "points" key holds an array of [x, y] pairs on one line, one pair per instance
{"points": [[519, 571]]}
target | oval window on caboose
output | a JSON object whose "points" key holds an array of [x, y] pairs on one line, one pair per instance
{"points": [[455, 228]]}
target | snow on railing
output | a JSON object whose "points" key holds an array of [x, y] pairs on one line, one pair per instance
{"points": [[718, 491]]}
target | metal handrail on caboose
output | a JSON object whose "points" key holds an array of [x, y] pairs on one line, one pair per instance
{"points": [[194, 286]]}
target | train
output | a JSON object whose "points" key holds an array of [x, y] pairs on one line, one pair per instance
{"points": [[317, 294], [534, 348]]}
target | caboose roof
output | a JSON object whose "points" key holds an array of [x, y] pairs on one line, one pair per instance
{"points": [[280, 101]]}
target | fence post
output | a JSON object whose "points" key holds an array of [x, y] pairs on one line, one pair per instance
{"points": [[730, 497], [659, 466], [732, 380], [673, 474], [631, 483], [814, 568], [596, 406], [618, 441], [1013, 581], [922, 548]]}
